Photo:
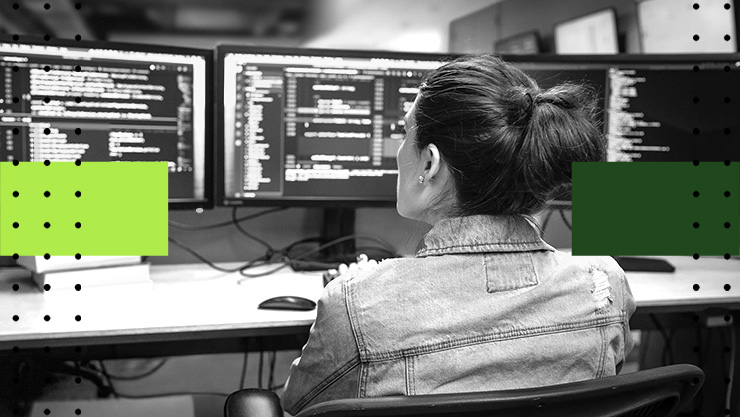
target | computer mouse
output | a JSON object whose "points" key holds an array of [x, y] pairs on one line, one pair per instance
{"points": [[288, 302]]}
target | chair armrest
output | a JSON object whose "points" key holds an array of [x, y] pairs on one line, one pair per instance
{"points": [[253, 403]]}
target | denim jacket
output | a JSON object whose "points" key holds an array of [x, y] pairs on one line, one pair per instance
{"points": [[486, 304]]}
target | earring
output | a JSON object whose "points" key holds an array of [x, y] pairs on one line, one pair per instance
{"points": [[421, 179]]}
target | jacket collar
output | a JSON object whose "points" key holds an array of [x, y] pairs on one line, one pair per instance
{"points": [[481, 233]]}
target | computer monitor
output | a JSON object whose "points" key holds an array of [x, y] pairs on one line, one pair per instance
{"points": [[313, 127], [670, 26], [102, 101], [594, 33], [668, 108]]}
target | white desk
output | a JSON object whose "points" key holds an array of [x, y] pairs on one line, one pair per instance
{"points": [[193, 302], [185, 302]]}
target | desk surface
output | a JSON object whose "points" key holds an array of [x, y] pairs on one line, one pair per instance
{"points": [[191, 302]]}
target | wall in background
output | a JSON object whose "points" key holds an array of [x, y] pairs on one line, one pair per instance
{"points": [[478, 31]]}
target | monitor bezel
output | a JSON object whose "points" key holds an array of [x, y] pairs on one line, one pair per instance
{"points": [[315, 201], [208, 186]]}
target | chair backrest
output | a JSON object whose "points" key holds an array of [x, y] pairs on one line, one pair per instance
{"points": [[659, 392]]}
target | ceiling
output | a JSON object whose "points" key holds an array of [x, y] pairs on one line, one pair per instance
{"points": [[102, 20]]}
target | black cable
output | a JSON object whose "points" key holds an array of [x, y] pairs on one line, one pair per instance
{"points": [[182, 226], [244, 368], [271, 377], [666, 339], [239, 227], [208, 262], [108, 379], [140, 376], [312, 252], [565, 220]]}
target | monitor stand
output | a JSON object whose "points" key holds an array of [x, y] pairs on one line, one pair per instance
{"points": [[338, 222], [640, 264]]}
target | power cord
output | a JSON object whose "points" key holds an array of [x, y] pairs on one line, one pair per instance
{"points": [[148, 373], [183, 226]]}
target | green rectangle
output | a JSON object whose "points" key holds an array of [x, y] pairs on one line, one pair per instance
{"points": [[122, 208], [650, 208]]}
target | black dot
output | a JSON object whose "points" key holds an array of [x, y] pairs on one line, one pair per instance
{"points": [[696, 317], [15, 68], [696, 6], [78, 317], [696, 162], [47, 411], [47, 349], [16, 100], [696, 225], [78, 349], [727, 225], [78, 194], [47, 287], [47, 162], [727, 380], [727, 349], [78, 131], [47, 131], [16, 349], [727, 6], [47, 6], [79, 68], [47, 317], [696, 68], [47, 68], [695, 380], [16, 131], [15, 225], [696, 287], [15, 194], [47, 99], [78, 225], [727, 193], [16, 318], [16, 6], [16, 256], [15, 163], [78, 287], [78, 256], [78, 99], [727, 256], [78, 37], [727, 287], [727, 68], [696, 99], [696, 37], [728, 37], [47, 256], [78, 6], [727, 99], [47, 38], [696, 194], [78, 411], [16, 287], [47, 194], [727, 318], [78, 162], [727, 162], [47, 225], [696, 131], [78, 380], [16, 38]]}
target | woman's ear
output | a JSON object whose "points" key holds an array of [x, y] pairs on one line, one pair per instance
{"points": [[432, 161]]}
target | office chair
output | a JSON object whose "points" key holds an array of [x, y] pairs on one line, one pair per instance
{"points": [[659, 392]]}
